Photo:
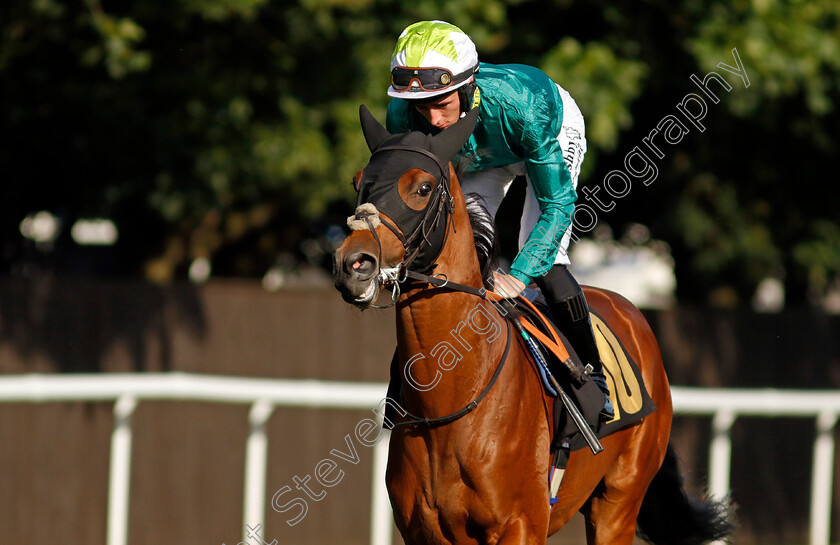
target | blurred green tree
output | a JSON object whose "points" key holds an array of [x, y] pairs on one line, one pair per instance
{"points": [[228, 129]]}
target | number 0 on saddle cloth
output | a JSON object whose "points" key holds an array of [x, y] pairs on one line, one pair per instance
{"points": [[627, 391]]}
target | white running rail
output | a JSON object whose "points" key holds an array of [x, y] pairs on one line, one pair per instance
{"points": [[127, 390]]}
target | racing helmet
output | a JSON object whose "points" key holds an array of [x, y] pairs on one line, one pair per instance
{"points": [[431, 58]]}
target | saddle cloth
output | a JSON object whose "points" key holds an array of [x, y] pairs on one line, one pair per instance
{"points": [[630, 399]]}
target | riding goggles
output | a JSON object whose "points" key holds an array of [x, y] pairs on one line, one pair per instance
{"points": [[428, 79]]}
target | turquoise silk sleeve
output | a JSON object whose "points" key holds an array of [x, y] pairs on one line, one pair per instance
{"points": [[552, 186]]}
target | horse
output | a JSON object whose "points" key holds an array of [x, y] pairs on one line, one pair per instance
{"points": [[462, 472]]}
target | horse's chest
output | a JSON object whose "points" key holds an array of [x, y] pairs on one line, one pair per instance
{"points": [[446, 496]]}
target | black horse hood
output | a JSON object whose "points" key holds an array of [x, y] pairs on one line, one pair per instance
{"points": [[392, 156]]}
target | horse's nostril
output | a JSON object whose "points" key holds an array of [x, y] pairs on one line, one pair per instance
{"points": [[361, 265]]}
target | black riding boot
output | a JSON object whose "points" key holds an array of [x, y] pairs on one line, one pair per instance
{"points": [[571, 314]]}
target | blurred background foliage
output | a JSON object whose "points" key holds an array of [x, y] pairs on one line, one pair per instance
{"points": [[227, 130]]}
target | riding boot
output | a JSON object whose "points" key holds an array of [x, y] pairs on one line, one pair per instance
{"points": [[571, 314], [393, 393], [578, 329]]}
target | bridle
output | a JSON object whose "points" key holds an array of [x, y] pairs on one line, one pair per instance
{"points": [[445, 204], [441, 205]]}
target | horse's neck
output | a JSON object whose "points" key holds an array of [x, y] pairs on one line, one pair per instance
{"points": [[449, 341]]}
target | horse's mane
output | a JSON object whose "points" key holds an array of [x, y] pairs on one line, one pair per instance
{"points": [[484, 235], [483, 227]]}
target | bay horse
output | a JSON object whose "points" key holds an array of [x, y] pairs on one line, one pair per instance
{"points": [[470, 473]]}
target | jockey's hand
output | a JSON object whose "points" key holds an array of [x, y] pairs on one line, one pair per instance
{"points": [[506, 285]]}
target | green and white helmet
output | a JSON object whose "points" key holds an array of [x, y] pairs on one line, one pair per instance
{"points": [[431, 58]]}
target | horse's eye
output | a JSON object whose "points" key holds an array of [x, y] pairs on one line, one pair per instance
{"points": [[424, 189]]}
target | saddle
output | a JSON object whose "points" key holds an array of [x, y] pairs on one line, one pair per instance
{"points": [[629, 397]]}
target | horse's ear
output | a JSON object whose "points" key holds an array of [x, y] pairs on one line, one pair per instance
{"points": [[449, 141], [374, 132]]}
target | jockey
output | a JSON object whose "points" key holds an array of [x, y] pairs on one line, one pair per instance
{"points": [[527, 125]]}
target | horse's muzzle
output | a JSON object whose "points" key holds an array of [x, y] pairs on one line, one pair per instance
{"points": [[356, 277]]}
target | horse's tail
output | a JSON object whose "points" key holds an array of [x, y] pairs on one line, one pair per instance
{"points": [[669, 516]]}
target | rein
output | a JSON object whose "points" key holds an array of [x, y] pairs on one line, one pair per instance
{"points": [[401, 274], [443, 420]]}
